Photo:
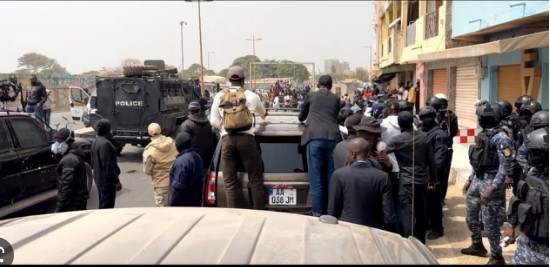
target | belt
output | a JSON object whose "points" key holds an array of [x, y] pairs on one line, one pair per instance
{"points": [[486, 176]]}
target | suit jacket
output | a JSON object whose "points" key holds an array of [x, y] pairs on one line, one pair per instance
{"points": [[403, 145], [362, 194], [321, 111]]}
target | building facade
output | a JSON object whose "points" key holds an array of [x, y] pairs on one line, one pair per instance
{"points": [[467, 50]]}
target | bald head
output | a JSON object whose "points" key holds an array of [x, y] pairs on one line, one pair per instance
{"points": [[357, 149]]}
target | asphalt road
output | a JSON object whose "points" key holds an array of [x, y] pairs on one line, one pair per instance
{"points": [[137, 190]]}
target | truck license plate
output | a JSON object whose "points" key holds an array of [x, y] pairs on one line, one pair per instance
{"points": [[283, 197]]}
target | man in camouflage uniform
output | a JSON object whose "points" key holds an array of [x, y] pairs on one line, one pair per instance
{"points": [[527, 110], [532, 247], [492, 160]]}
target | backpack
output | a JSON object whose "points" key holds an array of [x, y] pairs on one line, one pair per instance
{"points": [[529, 209], [236, 116], [481, 157]]}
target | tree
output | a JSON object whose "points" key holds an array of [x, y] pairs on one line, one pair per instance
{"points": [[34, 63], [131, 61], [244, 62], [361, 74], [223, 73], [91, 73]]}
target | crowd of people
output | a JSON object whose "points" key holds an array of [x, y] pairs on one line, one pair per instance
{"points": [[390, 171]]}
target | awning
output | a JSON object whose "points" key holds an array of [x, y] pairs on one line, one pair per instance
{"points": [[398, 68], [384, 78], [529, 41]]}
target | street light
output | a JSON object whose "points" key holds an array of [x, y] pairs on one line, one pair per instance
{"points": [[254, 43], [182, 65], [254, 39], [370, 59], [200, 40], [210, 52]]}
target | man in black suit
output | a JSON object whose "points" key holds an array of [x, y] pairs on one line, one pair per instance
{"points": [[321, 134], [418, 171], [360, 193]]}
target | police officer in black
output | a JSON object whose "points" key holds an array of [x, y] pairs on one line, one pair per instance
{"points": [[529, 208], [448, 121], [527, 111], [519, 121], [438, 138]]}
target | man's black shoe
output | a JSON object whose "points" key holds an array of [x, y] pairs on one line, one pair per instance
{"points": [[496, 261], [435, 235], [475, 250]]}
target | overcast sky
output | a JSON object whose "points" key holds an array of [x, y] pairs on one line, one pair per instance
{"points": [[85, 36]]}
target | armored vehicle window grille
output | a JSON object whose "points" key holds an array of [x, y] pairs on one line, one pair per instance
{"points": [[28, 133]]}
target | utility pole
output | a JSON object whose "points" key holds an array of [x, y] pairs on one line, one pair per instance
{"points": [[254, 39], [182, 62]]}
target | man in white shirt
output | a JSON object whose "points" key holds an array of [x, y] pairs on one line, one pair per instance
{"points": [[240, 145]]}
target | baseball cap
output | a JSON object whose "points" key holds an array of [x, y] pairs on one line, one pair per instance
{"points": [[235, 73], [194, 105]]}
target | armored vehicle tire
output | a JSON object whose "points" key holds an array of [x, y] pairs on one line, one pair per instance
{"points": [[136, 71]]}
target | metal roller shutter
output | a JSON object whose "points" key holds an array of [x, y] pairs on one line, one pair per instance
{"points": [[509, 83], [440, 81], [467, 92]]}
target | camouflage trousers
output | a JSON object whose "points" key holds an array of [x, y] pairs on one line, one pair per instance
{"points": [[490, 213], [525, 255], [161, 196]]}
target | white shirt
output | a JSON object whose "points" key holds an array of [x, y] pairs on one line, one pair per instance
{"points": [[253, 103]]}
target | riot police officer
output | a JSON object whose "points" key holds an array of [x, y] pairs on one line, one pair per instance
{"points": [[527, 111], [491, 159], [448, 121], [438, 138], [531, 205], [518, 119]]}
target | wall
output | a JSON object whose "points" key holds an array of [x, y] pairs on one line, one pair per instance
{"points": [[422, 45], [59, 86], [489, 84], [490, 13]]}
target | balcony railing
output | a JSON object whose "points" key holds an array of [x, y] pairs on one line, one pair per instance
{"points": [[431, 29], [411, 34]]}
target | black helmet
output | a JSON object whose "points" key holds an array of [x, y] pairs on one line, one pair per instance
{"points": [[530, 108], [506, 106], [538, 139], [427, 111], [539, 119], [13, 78], [524, 99], [404, 105], [435, 103], [489, 115]]}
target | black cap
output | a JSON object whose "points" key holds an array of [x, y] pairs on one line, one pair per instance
{"points": [[405, 120], [63, 134], [183, 141], [103, 127]]}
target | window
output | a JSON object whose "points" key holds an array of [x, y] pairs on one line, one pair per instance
{"points": [[75, 94], [28, 133], [282, 155], [5, 144]]}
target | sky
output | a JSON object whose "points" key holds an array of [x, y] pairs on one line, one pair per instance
{"points": [[89, 35]]}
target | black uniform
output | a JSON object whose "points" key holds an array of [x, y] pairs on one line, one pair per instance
{"points": [[106, 171], [72, 182], [438, 138]]}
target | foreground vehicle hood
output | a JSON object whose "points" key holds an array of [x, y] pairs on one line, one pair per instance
{"points": [[202, 236]]}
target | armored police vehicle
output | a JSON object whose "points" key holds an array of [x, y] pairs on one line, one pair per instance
{"points": [[145, 94]]}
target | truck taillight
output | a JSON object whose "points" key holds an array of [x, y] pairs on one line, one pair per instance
{"points": [[210, 189]]}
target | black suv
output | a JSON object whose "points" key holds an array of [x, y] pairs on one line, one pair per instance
{"points": [[27, 165]]}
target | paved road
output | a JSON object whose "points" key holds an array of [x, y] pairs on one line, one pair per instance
{"points": [[136, 186]]}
